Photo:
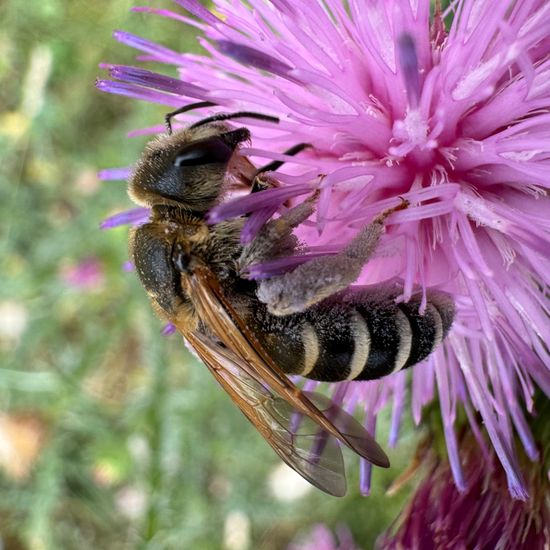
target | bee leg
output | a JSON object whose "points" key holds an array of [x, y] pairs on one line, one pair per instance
{"points": [[259, 184], [320, 278], [275, 239]]}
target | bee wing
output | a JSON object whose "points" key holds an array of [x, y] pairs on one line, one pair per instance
{"points": [[228, 327], [299, 441]]}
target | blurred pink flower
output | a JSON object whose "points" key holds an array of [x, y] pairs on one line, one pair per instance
{"points": [[450, 111], [85, 275], [321, 538]]}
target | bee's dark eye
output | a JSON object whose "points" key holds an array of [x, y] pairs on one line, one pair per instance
{"points": [[206, 151]]}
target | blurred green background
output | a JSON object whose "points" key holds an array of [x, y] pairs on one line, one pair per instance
{"points": [[111, 435]]}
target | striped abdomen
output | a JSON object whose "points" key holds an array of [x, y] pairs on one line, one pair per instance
{"points": [[360, 335]]}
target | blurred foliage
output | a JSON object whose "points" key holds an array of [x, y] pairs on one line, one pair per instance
{"points": [[111, 435]]}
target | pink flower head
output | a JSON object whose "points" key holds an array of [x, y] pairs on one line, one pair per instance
{"points": [[484, 516], [449, 111]]}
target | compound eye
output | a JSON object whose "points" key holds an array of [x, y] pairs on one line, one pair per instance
{"points": [[207, 151]]}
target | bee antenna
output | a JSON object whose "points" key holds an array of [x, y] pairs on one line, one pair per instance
{"points": [[229, 116], [198, 105]]}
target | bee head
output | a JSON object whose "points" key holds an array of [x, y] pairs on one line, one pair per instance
{"points": [[186, 168]]}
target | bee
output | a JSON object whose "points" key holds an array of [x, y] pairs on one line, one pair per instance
{"points": [[253, 334]]}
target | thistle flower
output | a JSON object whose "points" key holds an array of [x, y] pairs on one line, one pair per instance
{"points": [[483, 516], [451, 112]]}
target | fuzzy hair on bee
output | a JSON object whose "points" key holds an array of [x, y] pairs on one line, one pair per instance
{"points": [[310, 321], [170, 171]]}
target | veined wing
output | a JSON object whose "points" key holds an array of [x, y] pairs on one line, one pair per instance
{"points": [[305, 447], [233, 331], [304, 434]]}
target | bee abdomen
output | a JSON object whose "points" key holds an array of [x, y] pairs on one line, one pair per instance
{"points": [[360, 337]]}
